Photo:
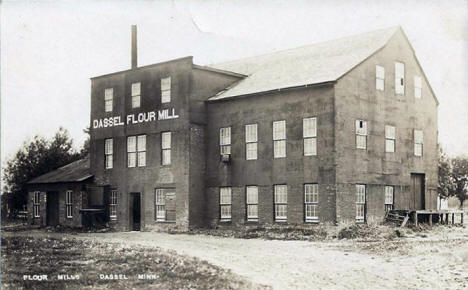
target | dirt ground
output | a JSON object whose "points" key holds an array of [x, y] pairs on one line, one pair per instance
{"points": [[437, 260]]}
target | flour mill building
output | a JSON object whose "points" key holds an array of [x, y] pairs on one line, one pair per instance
{"points": [[343, 130]]}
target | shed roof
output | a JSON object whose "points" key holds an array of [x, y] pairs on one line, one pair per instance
{"points": [[74, 172], [307, 65]]}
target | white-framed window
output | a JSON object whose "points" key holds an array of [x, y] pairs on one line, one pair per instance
{"points": [[37, 203], [166, 90], [225, 197], [418, 142], [136, 93], [399, 78], [136, 151], [281, 202], [311, 202], [251, 142], [252, 202], [379, 78], [360, 202], [164, 199], [361, 134], [309, 133], [166, 148], [417, 87], [279, 139], [108, 99], [225, 140], [388, 198], [69, 203], [390, 138], [113, 205], [109, 153]]}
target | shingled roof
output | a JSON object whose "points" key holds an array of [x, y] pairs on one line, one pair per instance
{"points": [[307, 65], [74, 172]]}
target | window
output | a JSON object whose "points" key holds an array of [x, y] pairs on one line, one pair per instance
{"points": [[418, 143], [225, 140], [389, 139], [225, 203], [108, 99], [417, 87], [279, 139], [281, 202], [136, 89], [360, 202], [136, 151], [379, 78], [113, 205], [399, 78], [251, 142], [388, 198], [309, 132], [165, 205], [252, 203], [166, 90], [36, 203], [361, 134], [108, 152], [69, 203], [166, 148], [311, 202]]}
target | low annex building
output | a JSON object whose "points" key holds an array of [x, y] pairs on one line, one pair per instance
{"points": [[343, 130]]}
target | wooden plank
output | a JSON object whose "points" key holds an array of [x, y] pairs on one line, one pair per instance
{"points": [[404, 221], [430, 219], [416, 218]]}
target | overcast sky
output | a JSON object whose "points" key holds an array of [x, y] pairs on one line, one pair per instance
{"points": [[49, 50]]}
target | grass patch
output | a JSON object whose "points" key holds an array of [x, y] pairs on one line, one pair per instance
{"points": [[53, 256]]}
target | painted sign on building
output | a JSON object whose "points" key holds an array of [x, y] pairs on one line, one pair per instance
{"points": [[165, 114]]}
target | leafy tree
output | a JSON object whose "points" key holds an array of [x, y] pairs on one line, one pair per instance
{"points": [[34, 159], [445, 187], [85, 149], [460, 178]]}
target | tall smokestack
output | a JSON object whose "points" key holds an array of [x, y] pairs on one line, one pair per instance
{"points": [[134, 47]]}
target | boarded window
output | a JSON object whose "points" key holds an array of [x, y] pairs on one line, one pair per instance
{"points": [[165, 205], [36, 203], [166, 90], [136, 89], [418, 142], [225, 140], [252, 203], [225, 203], [279, 139], [69, 203], [109, 153], [311, 202], [399, 78], [389, 198], [281, 202], [417, 87], [251, 142], [166, 148], [113, 205], [309, 133], [360, 202], [361, 134], [379, 78], [389, 138], [108, 99]]}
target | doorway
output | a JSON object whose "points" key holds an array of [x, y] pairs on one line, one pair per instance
{"points": [[417, 198], [135, 211], [52, 208]]}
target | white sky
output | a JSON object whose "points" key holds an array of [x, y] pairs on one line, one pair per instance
{"points": [[49, 50]]}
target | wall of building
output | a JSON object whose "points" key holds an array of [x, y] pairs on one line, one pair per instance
{"points": [[59, 189], [295, 170], [357, 98]]}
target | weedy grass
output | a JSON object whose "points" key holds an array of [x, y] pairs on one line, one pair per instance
{"points": [[53, 256]]}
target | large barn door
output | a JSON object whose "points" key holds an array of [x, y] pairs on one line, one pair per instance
{"points": [[417, 198]]}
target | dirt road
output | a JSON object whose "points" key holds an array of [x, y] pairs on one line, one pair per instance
{"points": [[307, 265]]}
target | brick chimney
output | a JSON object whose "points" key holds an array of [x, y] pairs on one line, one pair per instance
{"points": [[134, 47]]}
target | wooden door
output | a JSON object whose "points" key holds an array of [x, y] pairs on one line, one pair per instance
{"points": [[417, 192]]}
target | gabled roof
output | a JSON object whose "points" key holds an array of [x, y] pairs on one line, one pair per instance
{"points": [[74, 172], [308, 65]]}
